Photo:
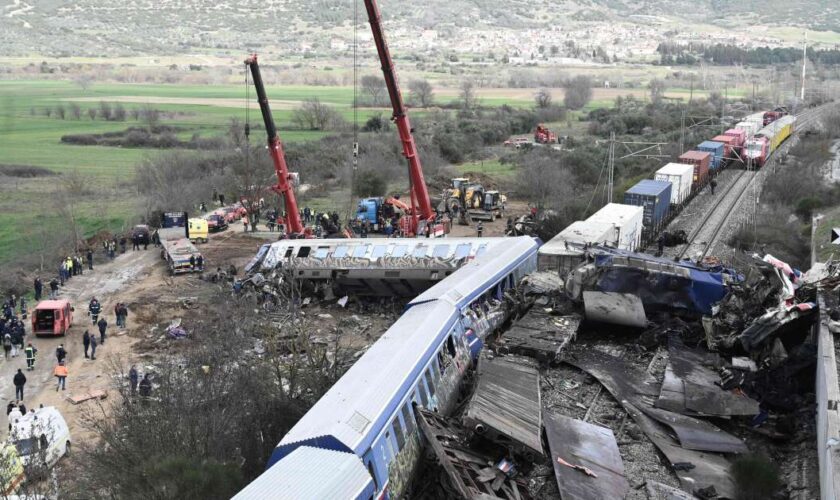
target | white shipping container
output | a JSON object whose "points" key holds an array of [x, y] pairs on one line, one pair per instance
{"points": [[748, 127], [627, 221], [565, 251], [680, 175]]}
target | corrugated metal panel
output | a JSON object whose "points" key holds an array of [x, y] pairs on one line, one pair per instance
{"points": [[363, 395], [580, 233], [480, 272], [654, 196], [650, 187], [627, 219], [312, 473], [716, 149], [680, 175]]}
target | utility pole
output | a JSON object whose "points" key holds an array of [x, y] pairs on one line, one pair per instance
{"points": [[682, 133], [723, 109], [804, 61], [611, 168]]}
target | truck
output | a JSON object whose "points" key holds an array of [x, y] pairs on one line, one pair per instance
{"points": [[177, 249], [52, 318], [542, 135]]}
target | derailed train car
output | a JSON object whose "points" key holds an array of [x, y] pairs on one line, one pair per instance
{"points": [[361, 439]]}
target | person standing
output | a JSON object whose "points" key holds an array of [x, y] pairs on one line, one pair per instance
{"points": [[479, 229], [7, 344], [14, 415], [245, 222], [60, 353], [86, 342], [145, 386], [38, 288], [53, 288], [30, 352], [133, 377], [199, 262], [61, 373], [135, 242], [713, 185], [93, 344], [20, 381], [17, 342], [90, 259], [103, 325], [123, 314], [118, 313]]}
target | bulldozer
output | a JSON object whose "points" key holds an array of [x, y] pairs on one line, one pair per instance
{"points": [[470, 201]]}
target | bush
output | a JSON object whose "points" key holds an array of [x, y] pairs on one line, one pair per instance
{"points": [[368, 183], [756, 477], [578, 92]]}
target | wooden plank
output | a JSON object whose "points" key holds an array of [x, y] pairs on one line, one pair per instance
{"points": [[588, 445], [81, 398]]}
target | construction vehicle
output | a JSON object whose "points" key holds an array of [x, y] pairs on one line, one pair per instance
{"points": [[177, 249], [544, 136], [470, 201], [284, 184], [420, 219]]}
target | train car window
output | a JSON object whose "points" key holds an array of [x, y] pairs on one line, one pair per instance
{"points": [[441, 251], [481, 249], [360, 251], [462, 250], [340, 251], [378, 251], [450, 346], [421, 389], [322, 252], [398, 433], [303, 252], [389, 446], [436, 368], [399, 251], [420, 251], [432, 380], [288, 253], [408, 418]]}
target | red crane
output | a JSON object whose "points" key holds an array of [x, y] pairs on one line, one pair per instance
{"points": [[419, 192], [275, 149]]}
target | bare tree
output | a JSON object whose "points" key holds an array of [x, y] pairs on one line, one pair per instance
{"points": [[151, 117], [104, 110], [48, 112], [657, 90], [543, 181], [422, 93], [92, 113], [375, 87], [467, 95], [315, 115], [119, 113], [578, 92], [60, 112], [83, 81], [76, 111], [542, 98]]}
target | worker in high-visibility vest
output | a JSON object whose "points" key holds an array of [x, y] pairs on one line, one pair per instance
{"points": [[30, 352], [61, 374]]}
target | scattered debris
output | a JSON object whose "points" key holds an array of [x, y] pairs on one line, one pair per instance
{"points": [[587, 463], [539, 336], [81, 398], [616, 308]]}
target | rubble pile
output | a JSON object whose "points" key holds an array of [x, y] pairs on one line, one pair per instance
{"points": [[654, 408]]}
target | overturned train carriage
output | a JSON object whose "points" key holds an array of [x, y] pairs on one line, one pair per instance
{"points": [[364, 427], [372, 266]]}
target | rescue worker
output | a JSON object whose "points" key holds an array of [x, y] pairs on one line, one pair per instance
{"points": [[14, 415], [103, 325], [60, 353], [145, 386], [94, 308], [53, 288], [17, 342], [479, 228], [30, 352], [192, 262], [199, 262], [7, 344], [93, 344], [86, 342], [133, 379], [135, 242], [713, 185], [90, 259], [70, 272], [660, 243], [19, 380], [60, 373], [38, 288]]}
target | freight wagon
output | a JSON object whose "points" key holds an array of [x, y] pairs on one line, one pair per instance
{"points": [[565, 251], [716, 150], [681, 176], [627, 221], [740, 137], [701, 161], [655, 197], [728, 145]]}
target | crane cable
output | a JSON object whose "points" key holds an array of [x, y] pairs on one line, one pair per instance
{"points": [[355, 105], [247, 130]]}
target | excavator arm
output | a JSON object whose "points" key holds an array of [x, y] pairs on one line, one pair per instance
{"points": [[275, 150]]}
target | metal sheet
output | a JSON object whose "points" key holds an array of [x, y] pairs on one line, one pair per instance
{"points": [[588, 445], [659, 491], [539, 336], [695, 434], [615, 308], [506, 403]]}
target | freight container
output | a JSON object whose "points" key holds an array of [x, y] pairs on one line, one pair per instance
{"points": [[756, 118], [681, 176], [716, 150], [749, 129], [654, 196], [739, 135], [626, 221], [700, 160], [728, 145], [777, 132], [564, 252]]}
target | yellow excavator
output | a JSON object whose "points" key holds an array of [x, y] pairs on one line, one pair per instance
{"points": [[468, 201]]}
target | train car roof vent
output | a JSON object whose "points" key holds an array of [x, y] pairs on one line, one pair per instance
{"points": [[358, 422]]}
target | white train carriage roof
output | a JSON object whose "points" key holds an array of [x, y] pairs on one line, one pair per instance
{"points": [[293, 477], [774, 127], [357, 405], [474, 278]]}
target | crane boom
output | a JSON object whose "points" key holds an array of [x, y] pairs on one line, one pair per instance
{"points": [[275, 150], [420, 192]]}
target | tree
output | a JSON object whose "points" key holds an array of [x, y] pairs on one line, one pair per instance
{"points": [[315, 115], [368, 183], [467, 95], [375, 87], [151, 117], [578, 92], [543, 181], [104, 110], [543, 98], [92, 113], [84, 81], [60, 112], [422, 92], [119, 113], [657, 90], [75, 111]]}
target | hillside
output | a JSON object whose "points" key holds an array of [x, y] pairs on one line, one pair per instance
{"points": [[168, 27]]}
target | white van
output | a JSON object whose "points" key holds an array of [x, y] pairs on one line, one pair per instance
{"points": [[41, 439]]}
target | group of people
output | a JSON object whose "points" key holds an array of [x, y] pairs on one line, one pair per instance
{"points": [[74, 266]]}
